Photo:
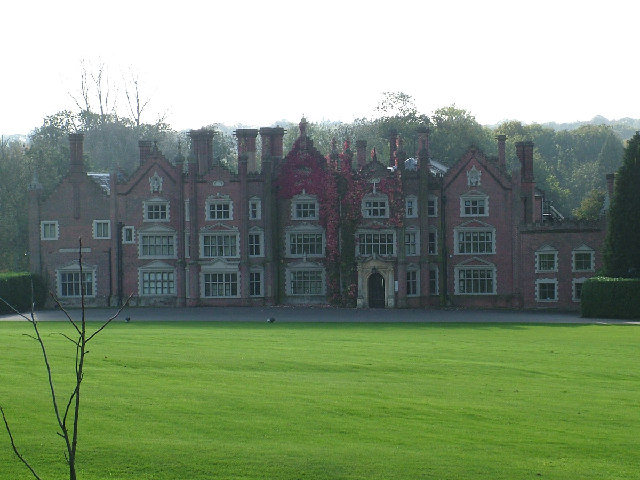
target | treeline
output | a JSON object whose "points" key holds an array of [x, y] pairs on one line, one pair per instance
{"points": [[570, 165]]}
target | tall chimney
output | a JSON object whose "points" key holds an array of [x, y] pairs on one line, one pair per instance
{"points": [[524, 150], [247, 147], [272, 142], [423, 147], [202, 144], [502, 162], [361, 153], [393, 139], [145, 150], [76, 163]]}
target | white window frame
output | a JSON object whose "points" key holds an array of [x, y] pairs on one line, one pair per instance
{"points": [[302, 200], [414, 271], [259, 233], [373, 233], [432, 206], [255, 208], [415, 242], [132, 230], [375, 202], [474, 197], [433, 269], [575, 282], [49, 224], [545, 281], [475, 268], [253, 272], [546, 250], [187, 210], [148, 205], [316, 271], [96, 226], [229, 278], [74, 269], [224, 214], [223, 233], [411, 206], [160, 269], [305, 230], [471, 230], [432, 247], [583, 250], [158, 232]]}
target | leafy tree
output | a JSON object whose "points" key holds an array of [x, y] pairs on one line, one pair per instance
{"points": [[622, 246], [590, 206]]}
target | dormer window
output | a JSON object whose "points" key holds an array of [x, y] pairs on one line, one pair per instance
{"points": [[219, 207], [375, 206], [304, 207], [474, 204]]}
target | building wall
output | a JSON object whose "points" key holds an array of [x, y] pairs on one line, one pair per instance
{"points": [[191, 232]]}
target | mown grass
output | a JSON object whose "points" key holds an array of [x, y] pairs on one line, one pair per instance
{"points": [[333, 401]]}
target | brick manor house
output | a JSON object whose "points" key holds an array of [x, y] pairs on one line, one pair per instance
{"points": [[303, 228]]}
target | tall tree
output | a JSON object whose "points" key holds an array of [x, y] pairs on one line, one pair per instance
{"points": [[622, 247]]}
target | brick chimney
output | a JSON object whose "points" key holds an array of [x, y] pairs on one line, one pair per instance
{"points": [[145, 150], [272, 140], [423, 147], [247, 147], [502, 158], [76, 162], [393, 143], [202, 144], [361, 153], [524, 151]]}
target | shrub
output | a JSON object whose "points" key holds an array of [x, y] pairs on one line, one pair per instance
{"points": [[15, 288], [611, 298]]}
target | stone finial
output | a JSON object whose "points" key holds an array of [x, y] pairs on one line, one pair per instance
{"points": [[303, 127]]}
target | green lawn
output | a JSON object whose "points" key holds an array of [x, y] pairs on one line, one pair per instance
{"points": [[332, 401]]}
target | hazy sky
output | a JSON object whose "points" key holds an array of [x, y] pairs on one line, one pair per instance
{"points": [[257, 62]]}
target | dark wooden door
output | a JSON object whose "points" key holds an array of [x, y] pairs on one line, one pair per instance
{"points": [[376, 291]]}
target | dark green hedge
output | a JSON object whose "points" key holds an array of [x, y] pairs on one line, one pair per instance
{"points": [[606, 297], [15, 288]]}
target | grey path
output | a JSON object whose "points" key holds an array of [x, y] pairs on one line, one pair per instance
{"points": [[324, 314]]}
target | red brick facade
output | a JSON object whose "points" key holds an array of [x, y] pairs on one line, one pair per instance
{"points": [[310, 229]]}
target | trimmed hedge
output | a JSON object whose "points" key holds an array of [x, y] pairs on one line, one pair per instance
{"points": [[606, 297], [15, 288]]}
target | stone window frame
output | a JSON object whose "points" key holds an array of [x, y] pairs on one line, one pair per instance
{"points": [[305, 229], [376, 200], [255, 213], [483, 228], [45, 225], [474, 196], [432, 246], [314, 269], [252, 292], [157, 231], [415, 243], [73, 269], [432, 205], [157, 268], [547, 281], [150, 204], [100, 225], [373, 232], [582, 250], [411, 206], [220, 233], [302, 200], [260, 234], [546, 250], [467, 267], [218, 201], [128, 239], [413, 271], [231, 277], [434, 279]]}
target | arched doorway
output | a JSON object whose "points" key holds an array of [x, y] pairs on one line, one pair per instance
{"points": [[376, 291]]}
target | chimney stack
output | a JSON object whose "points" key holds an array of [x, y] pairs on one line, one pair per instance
{"points": [[502, 159], [202, 144], [76, 162], [247, 147], [145, 150], [361, 153], [393, 141], [423, 147]]}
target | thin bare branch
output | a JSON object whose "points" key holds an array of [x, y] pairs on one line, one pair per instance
{"points": [[124, 305], [75, 342], [15, 310], [13, 445], [64, 310]]}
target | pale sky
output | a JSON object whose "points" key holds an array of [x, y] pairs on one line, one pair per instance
{"points": [[256, 62]]}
